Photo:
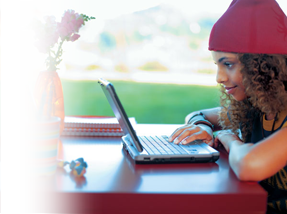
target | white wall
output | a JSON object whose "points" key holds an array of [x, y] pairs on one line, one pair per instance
{"points": [[5, 150]]}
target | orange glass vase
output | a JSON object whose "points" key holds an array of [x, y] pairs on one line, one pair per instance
{"points": [[49, 96]]}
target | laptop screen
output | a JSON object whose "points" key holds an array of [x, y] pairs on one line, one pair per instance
{"points": [[119, 111]]}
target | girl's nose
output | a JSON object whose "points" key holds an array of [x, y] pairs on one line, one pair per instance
{"points": [[221, 76]]}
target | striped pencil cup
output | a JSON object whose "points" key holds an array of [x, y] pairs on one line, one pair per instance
{"points": [[45, 146]]}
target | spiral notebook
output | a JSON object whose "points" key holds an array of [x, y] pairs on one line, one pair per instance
{"points": [[92, 126]]}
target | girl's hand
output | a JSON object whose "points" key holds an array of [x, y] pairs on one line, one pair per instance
{"points": [[226, 137], [189, 133]]}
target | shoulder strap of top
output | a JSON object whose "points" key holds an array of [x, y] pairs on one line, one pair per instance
{"points": [[283, 118]]}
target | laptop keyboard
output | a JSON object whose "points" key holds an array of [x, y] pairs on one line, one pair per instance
{"points": [[160, 145]]}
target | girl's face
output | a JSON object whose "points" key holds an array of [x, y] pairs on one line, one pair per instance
{"points": [[228, 74]]}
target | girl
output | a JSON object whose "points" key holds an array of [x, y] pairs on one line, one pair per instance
{"points": [[249, 47]]}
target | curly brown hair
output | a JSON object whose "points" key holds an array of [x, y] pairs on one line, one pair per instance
{"points": [[265, 82]]}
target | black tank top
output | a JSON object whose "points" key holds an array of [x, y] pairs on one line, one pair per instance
{"points": [[276, 185]]}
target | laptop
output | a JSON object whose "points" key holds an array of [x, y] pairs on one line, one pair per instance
{"points": [[155, 149]]}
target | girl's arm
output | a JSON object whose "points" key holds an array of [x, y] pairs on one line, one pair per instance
{"points": [[211, 115], [256, 162], [191, 132]]}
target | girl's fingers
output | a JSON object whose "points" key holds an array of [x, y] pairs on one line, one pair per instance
{"points": [[186, 133], [177, 132], [189, 133], [191, 138], [201, 135]]}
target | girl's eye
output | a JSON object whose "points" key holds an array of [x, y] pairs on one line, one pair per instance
{"points": [[228, 64]]}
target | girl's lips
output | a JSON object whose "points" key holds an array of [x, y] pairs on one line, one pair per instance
{"points": [[230, 90]]}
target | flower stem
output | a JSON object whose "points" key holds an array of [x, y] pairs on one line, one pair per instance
{"points": [[50, 63], [59, 48]]}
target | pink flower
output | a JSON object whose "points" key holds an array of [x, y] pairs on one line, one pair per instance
{"points": [[74, 37], [51, 23], [64, 30], [51, 35], [46, 34], [70, 24], [43, 43]]}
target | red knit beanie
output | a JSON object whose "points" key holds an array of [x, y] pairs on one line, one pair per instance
{"points": [[251, 26]]}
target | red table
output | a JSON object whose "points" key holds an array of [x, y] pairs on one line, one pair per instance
{"points": [[114, 184]]}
